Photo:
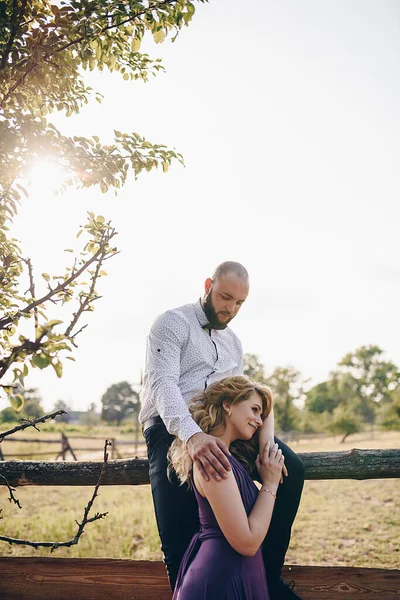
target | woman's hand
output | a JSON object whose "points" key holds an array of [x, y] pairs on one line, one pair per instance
{"points": [[270, 464]]}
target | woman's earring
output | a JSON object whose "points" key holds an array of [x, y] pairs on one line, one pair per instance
{"points": [[229, 413]]}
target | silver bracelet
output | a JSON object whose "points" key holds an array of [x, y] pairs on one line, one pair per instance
{"points": [[264, 489]]}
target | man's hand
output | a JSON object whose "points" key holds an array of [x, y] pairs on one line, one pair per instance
{"points": [[210, 455]]}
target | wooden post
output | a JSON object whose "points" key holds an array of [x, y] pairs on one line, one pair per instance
{"points": [[64, 447], [70, 449], [136, 435]]}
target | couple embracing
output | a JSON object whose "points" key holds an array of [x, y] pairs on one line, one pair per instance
{"points": [[210, 434]]}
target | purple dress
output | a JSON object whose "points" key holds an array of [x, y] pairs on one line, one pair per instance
{"points": [[211, 569]]}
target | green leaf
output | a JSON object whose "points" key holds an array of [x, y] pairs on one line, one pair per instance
{"points": [[159, 36], [46, 276], [53, 322], [135, 45], [17, 402], [58, 368], [40, 360]]}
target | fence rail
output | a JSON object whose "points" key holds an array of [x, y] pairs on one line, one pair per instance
{"points": [[352, 464], [65, 447]]}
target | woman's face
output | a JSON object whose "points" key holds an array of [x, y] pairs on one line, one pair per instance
{"points": [[245, 417]]}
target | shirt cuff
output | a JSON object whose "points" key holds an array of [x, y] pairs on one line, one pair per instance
{"points": [[188, 428]]}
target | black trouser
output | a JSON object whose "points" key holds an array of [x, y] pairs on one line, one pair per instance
{"points": [[177, 511]]}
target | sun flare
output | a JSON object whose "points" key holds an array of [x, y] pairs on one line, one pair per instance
{"points": [[46, 178]]}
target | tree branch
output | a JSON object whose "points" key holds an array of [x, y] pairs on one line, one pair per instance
{"points": [[31, 423], [17, 14], [32, 290], [28, 346], [87, 300], [61, 286], [113, 25], [81, 526], [78, 41], [12, 498]]}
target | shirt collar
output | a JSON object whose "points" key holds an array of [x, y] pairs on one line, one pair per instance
{"points": [[200, 314]]}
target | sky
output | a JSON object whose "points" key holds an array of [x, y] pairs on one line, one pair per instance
{"points": [[287, 115]]}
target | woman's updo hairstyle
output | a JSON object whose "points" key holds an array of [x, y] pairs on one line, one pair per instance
{"points": [[207, 410]]}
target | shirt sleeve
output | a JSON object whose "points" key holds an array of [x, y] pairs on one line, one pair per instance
{"points": [[241, 359], [167, 336]]}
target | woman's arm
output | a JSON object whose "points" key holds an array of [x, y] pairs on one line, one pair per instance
{"points": [[266, 432], [244, 534]]}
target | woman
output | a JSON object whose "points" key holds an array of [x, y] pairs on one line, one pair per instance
{"points": [[224, 559]]}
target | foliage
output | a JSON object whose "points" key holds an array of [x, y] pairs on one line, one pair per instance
{"points": [[389, 417], [9, 415], [323, 397], [346, 421], [359, 390], [119, 401], [32, 402], [28, 337], [91, 417], [363, 383], [373, 379], [287, 386], [253, 368], [62, 405], [44, 51]]}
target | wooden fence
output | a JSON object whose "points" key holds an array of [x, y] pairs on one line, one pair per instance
{"points": [[67, 447], [98, 579]]}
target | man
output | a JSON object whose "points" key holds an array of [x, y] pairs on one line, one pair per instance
{"points": [[189, 348]]}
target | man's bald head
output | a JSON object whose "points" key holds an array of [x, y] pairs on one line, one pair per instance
{"points": [[230, 266], [225, 292]]}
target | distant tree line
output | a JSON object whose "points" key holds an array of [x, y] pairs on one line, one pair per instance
{"points": [[363, 391], [119, 402]]}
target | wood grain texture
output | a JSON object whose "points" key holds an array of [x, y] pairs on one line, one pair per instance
{"points": [[105, 579], [352, 464]]}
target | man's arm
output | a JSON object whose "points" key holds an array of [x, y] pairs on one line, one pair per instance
{"points": [[163, 364]]}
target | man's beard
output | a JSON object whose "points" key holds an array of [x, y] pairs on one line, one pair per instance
{"points": [[211, 315]]}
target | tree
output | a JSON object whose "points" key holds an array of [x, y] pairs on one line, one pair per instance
{"points": [[44, 50], [253, 368], [370, 378], [119, 401], [62, 405], [8, 415], [91, 417], [390, 415], [323, 397], [32, 403], [346, 421], [287, 386]]}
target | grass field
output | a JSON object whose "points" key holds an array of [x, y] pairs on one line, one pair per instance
{"points": [[341, 522]]}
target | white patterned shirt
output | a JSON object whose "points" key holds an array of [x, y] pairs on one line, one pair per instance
{"points": [[182, 359]]}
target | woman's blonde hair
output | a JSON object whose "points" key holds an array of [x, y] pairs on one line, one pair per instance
{"points": [[207, 410]]}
